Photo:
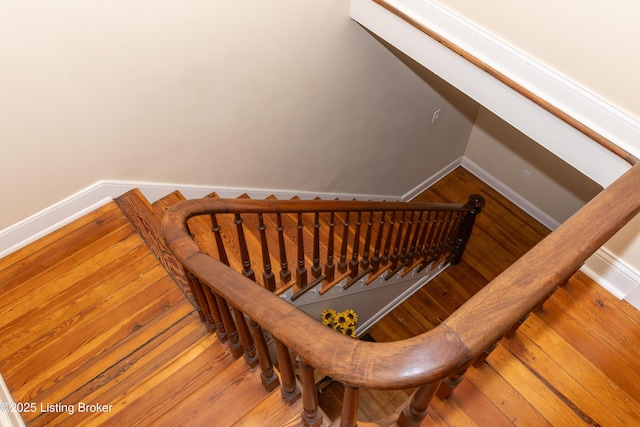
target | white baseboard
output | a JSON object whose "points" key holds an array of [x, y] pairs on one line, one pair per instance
{"points": [[432, 180], [8, 418], [52, 218], [73, 207], [615, 275], [510, 194]]}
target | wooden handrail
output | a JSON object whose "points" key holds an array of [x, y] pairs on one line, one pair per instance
{"points": [[529, 280], [433, 355], [538, 100]]}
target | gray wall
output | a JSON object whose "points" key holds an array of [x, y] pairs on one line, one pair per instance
{"points": [[551, 185]]}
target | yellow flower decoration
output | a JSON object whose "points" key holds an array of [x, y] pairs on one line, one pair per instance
{"points": [[328, 317], [343, 322]]}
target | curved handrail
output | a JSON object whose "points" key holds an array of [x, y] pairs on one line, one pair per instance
{"points": [[435, 354]]}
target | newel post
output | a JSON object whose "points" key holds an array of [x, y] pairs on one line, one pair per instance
{"points": [[475, 204]]}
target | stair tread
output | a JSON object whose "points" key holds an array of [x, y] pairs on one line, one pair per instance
{"points": [[228, 396], [177, 380], [49, 251], [161, 205], [274, 411], [90, 339], [54, 311]]}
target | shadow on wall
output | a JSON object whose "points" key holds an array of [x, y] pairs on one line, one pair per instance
{"points": [[529, 169], [507, 155], [463, 103]]}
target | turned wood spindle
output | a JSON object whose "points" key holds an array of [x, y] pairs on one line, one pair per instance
{"points": [[311, 416], [285, 274], [268, 375], [316, 269], [244, 249], [267, 275], [301, 270], [290, 390], [330, 267]]}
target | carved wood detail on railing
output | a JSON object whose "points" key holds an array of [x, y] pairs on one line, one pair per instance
{"points": [[424, 361]]}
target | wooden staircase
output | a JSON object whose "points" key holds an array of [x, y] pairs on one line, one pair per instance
{"points": [[102, 323], [89, 315], [106, 324]]}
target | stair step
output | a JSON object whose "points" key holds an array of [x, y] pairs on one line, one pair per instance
{"points": [[233, 393], [45, 255], [161, 205], [271, 412]]}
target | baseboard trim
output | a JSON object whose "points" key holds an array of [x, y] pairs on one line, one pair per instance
{"points": [[8, 418], [510, 194], [90, 198], [52, 218], [615, 275], [432, 180]]}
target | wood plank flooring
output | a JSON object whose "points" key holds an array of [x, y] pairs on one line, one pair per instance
{"points": [[575, 362], [88, 314]]}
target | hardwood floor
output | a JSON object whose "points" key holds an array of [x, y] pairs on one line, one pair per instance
{"points": [[88, 314], [90, 317], [574, 362]]}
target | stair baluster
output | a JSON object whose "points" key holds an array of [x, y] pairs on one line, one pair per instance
{"points": [[396, 248], [285, 274], [349, 415], [311, 416], [301, 270], [375, 260], [316, 269], [353, 264], [427, 249], [198, 293], [268, 375], [407, 237], [212, 306], [423, 236], [342, 265], [215, 313], [222, 253], [367, 243], [449, 384], [435, 247], [229, 326], [290, 390], [415, 412], [246, 340], [387, 244], [244, 250], [411, 255], [442, 240], [330, 267], [402, 257], [267, 275]]}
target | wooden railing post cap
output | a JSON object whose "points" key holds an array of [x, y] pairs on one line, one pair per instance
{"points": [[476, 200]]}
